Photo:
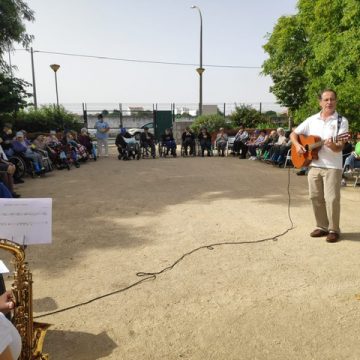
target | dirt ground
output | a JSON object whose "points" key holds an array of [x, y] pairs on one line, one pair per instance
{"points": [[293, 298]]}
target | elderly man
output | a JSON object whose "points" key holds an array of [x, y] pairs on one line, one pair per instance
{"points": [[324, 176]]}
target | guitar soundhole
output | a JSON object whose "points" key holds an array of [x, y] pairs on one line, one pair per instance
{"points": [[306, 147]]}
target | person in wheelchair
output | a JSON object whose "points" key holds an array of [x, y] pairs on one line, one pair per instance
{"points": [[205, 142], [188, 141], [85, 140], [127, 146], [168, 142], [147, 140], [6, 138], [23, 147]]}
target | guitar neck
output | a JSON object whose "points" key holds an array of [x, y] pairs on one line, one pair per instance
{"points": [[320, 143]]}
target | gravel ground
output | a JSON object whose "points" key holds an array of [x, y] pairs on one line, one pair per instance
{"points": [[293, 297]]}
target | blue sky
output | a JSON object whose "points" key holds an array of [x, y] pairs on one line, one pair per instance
{"points": [[164, 30]]}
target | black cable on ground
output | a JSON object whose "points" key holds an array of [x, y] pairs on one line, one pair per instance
{"points": [[153, 275]]}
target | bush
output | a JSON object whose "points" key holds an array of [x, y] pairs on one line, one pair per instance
{"points": [[211, 122], [45, 119], [247, 116]]}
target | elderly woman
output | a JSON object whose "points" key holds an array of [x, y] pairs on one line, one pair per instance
{"points": [[221, 142], [23, 146]]}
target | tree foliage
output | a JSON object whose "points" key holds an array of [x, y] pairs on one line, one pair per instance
{"points": [[12, 94], [211, 122], [247, 116], [45, 119], [13, 13], [317, 48]]}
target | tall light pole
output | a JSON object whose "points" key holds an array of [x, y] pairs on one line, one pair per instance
{"points": [[56, 67], [200, 69], [33, 77]]}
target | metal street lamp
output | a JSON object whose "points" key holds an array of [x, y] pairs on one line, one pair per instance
{"points": [[200, 69], [56, 67]]}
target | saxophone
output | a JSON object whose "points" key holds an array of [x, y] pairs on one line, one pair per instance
{"points": [[32, 333]]}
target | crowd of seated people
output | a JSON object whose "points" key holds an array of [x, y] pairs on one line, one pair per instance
{"points": [[18, 154]]}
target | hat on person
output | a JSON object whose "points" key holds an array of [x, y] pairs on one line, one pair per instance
{"points": [[84, 130], [52, 132], [19, 134], [122, 131]]}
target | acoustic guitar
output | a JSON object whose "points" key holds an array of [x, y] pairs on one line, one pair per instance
{"points": [[312, 144]]}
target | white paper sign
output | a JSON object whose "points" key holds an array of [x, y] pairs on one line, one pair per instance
{"points": [[26, 221], [3, 268]]}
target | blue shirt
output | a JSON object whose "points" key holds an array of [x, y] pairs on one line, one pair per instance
{"points": [[101, 125]]}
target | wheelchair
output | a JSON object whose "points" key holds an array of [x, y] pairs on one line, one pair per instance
{"points": [[23, 166], [165, 148], [146, 152], [132, 150]]}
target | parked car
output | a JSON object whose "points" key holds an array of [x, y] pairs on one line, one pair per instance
{"points": [[137, 131]]}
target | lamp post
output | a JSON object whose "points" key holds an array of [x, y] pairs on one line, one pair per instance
{"points": [[200, 69], [56, 67]]}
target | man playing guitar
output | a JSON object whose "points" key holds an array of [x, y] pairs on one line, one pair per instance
{"points": [[324, 177]]}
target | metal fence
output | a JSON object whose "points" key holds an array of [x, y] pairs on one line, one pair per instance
{"points": [[127, 109]]}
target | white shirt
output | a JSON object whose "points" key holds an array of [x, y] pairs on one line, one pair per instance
{"points": [[325, 129], [9, 337]]}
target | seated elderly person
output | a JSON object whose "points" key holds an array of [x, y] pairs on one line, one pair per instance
{"points": [[280, 150], [188, 141], [352, 162], [240, 140], [85, 140], [268, 143], [6, 138], [52, 139], [280, 141], [7, 170], [168, 142], [221, 142], [147, 140], [254, 144], [205, 142], [23, 147]]}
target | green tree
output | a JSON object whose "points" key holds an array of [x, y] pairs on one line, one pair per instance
{"points": [[247, 116], [317, 48], [12, 93], [212, 123], [13, 14], [286, 63]]}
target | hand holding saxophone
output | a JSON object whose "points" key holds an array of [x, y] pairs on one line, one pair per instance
{"points": [[6, 302]]}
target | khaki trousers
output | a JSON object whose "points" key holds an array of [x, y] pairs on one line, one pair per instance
{"points": [[324, 190]]}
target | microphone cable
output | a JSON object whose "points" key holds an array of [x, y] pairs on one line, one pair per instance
{"points": [[153, 275]]}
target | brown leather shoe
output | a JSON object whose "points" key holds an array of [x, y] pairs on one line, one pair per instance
{"points": [[332, 237], [319, 233]]}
